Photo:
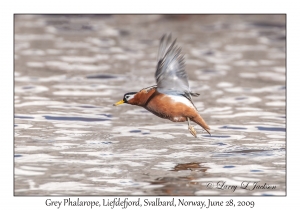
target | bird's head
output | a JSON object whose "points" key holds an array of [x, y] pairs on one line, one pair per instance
{"points": [[126, 99]]}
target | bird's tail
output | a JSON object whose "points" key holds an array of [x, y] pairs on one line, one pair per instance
{"points": [[200, 121]]}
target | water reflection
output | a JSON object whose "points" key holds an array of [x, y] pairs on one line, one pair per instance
{"points": [[190, 166], [74, 118], [231, 127], [23, 117], [270, 129], [181, 185]]}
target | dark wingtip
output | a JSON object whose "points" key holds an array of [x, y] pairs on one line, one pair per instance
{"points": [[195, 94]]}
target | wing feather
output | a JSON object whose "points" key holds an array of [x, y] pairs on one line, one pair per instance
{"points": [[171, 77], [170, 74]]}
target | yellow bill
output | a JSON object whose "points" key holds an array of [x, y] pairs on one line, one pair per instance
{"points": [[119, 102]]}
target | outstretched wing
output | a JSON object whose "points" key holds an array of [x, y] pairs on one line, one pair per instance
{"points": [[170, 73], [171, 77]]}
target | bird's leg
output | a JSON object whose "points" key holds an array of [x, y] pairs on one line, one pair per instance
{"points": [[191, 128]]}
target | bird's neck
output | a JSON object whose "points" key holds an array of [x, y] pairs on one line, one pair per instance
{"points": [[143, 97]]}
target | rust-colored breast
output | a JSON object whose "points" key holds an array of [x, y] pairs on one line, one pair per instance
{"points": [[164, 106]]}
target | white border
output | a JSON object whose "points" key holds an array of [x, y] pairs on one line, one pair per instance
{"points": [[129, 6]]}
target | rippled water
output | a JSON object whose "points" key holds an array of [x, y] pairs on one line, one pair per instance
{"points": [[70, 140]]}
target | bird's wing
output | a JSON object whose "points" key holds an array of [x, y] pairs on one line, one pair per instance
{"points": [[171, 77], [170, 73]]}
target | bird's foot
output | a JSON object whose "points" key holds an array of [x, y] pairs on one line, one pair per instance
{"points": [[192, 131]]}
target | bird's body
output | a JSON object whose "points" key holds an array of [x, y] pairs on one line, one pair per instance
{"points": [[171, 97]]}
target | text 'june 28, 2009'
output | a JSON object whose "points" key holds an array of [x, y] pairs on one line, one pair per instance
{"points": [[124, 203]]}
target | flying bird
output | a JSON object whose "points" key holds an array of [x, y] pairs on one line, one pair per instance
{"points": [[171, 97]]}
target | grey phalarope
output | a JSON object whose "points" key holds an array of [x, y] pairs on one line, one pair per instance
{"points": [[171, 98]]}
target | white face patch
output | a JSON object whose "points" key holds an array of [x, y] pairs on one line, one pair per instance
{"points": [[129, 97], [182, 99]]}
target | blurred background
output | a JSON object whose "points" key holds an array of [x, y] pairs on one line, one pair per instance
{"points": [[70, 140]]}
